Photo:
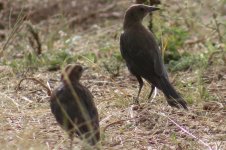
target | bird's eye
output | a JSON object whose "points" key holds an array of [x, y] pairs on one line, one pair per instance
{"points": [[80, 69]]}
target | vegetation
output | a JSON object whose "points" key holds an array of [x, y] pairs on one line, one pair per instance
{"points": [[38, 40]]}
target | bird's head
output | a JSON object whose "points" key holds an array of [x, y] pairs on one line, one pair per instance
{"points": [[137, 12], [72, 73]]}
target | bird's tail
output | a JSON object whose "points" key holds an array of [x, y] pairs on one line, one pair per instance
{"points": [[173, 98]]}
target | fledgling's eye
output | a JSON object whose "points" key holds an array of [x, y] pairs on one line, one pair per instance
{"points": [[79, 69]]}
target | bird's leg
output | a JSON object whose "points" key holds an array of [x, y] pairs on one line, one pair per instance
{"points": [[152, 90], [141, 83]]}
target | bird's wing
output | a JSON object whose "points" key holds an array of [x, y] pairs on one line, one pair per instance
{"points": [[87, 100], [141, 52], [122, 46]]}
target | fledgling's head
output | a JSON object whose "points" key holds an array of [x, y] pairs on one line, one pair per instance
{"points": [[72, 73], [137, 12]]}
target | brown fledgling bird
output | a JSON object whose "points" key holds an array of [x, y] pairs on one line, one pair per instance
{"points": [[141, 52], [73, 107]]}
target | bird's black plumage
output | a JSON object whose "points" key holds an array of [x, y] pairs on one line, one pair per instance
{"points": [[73, 107], [141, 52]]}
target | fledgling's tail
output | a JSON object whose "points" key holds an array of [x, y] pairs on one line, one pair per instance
{"points": [[173, 98]]}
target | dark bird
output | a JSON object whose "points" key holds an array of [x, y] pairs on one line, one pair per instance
{"points": [[141, 52], [73, 107]]}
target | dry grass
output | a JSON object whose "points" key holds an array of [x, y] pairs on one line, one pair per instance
{"points": [[26, 120]]}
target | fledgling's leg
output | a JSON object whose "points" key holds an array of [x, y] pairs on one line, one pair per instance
{"points": [[71, 136]]}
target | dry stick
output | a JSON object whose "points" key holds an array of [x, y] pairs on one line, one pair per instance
{"points": [[15, 103], [36, 39], [186, 131], [217, 24], [49, 91]]}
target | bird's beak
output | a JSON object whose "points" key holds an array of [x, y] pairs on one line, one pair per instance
{"points": [[152, 8]]}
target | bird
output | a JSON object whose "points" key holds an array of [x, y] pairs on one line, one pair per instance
{"points": [[73, 106], [140, 50]]}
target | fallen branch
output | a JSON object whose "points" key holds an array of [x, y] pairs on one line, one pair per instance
{"points": [[47, 87]]}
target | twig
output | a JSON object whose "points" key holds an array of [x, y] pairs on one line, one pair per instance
{"points": [[49, 91], [26, 99], [217, 24], [36, 39], [186, 131], [10, 99]]}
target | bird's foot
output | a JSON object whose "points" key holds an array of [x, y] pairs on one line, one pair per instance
{"points": [[178, 103]]}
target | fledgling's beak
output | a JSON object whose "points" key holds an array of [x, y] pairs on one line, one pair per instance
{"points": [[152, 8]]}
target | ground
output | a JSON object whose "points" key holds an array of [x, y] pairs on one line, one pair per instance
{"points": [[87, 32]]}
